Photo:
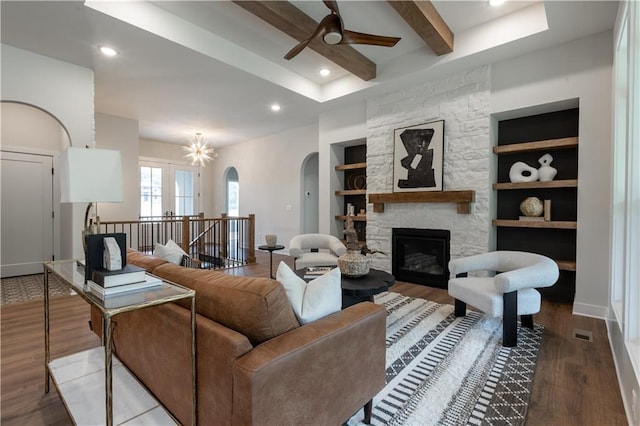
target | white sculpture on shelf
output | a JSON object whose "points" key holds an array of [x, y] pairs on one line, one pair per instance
{"points": [[518, 170], [546, 173]]}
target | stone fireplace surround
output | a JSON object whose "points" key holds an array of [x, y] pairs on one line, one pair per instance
{"points": [[462, 100]]}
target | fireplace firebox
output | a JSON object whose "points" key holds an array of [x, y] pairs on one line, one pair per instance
{"points": [[421, 256]]}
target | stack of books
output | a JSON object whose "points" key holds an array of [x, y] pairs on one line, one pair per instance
{"points": [[129, 280], [313, 272]]}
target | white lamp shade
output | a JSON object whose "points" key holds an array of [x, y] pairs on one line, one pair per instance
{"points": [[90, 175]]}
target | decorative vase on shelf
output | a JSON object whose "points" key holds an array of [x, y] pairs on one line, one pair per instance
{"points": [[522, 172], [546, 173], [353, 263]]}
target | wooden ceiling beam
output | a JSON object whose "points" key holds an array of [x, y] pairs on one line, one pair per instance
{"points": [[425, 20], [297, 24]]}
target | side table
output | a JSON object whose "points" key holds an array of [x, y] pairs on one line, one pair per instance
{"points": [[77, 376], [271, 249]]}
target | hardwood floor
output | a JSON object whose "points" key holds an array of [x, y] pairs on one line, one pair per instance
{"points": [[575, 381]]}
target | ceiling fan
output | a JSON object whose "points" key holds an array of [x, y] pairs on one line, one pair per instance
{"points": [[332, 31]]}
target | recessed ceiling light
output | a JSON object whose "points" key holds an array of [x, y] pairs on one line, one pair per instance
{"points": [[108, 51], [496, 2], [325, 72], [275, 107]]}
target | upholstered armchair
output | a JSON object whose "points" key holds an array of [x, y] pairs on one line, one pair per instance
{"points": [[315, 250], [508, 293]]}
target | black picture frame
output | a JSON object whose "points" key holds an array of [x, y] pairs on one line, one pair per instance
{"points": [[418, 157]]}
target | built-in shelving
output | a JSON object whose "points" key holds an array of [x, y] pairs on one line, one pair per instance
{"points": [[565, 183], [526, 139], [356, 218], [351, 192], [546, 145], [555, 224], [354, 166]]}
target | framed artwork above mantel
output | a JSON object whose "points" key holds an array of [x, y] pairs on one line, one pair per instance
{"points": [[418, 157]]}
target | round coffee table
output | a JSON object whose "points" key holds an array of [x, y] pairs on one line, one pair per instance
{"points": [[271, 249], [362, 289]]}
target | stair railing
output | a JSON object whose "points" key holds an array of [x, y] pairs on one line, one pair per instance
{"points": [[218, 242]]}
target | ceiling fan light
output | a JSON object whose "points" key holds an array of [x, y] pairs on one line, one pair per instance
{"points": [[332, 37]]}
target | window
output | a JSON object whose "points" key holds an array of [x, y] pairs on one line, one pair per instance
{"points": [[233, 193], [150, 191], [167, 189], [184, 193]]}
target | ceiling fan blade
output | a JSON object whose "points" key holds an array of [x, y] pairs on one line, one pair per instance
{"points": [[322, 28], [352, 37], [332, 5], [297, 49]]}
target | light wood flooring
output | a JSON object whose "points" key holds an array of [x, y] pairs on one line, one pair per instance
{"points": [[575, 381]]}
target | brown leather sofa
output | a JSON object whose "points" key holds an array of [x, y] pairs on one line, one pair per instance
{"points": [[256, 365]]}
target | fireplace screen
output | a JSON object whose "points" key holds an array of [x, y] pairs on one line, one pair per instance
{"points": [[421, 256]]}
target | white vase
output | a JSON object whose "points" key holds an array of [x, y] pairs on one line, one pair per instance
{"points": [[517, 172], [546, 173]]}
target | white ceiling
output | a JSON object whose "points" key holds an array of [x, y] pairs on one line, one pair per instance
{"points": [[214, 68]]}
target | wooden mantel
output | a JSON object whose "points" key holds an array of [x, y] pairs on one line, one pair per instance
{"points": [[462, 198]]}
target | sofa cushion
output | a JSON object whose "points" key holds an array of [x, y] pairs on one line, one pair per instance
{"points": [[256, 307], [171, 252], [146, 261], [315, 299]]}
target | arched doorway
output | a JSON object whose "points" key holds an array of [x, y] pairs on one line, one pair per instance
{"points": [[232, 192], [30, 212], [309, 198]]}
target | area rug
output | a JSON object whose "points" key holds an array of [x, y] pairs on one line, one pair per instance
{"points": [[443, 370], [29, 287]]}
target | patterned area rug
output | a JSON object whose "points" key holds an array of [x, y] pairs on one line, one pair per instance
{"points": [[443, 370], [29, 287]]}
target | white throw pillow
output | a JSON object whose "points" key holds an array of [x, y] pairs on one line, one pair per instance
{"points": [[171, 252], [314, 300]]}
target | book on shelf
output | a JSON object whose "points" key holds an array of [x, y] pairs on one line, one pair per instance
{"points": [[124, 299], [315, 271], [102, 292], [128, 275]]}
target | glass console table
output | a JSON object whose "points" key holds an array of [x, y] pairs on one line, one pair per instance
{"points": [[77, 376]]}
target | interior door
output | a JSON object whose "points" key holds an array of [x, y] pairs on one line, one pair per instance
{"points": [[26, 213]]}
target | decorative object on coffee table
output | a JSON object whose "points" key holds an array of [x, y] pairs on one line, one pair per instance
{"points": [[353, 263], [522, 172], [546, 173]]}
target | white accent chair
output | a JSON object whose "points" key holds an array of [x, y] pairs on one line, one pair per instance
{"points": [[315, 250], [511, 292]]}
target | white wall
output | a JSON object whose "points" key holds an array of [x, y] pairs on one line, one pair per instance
{"points": [[120, 134], [270, 183], [167, 151], [577, 70], [66, 92], [336, 128]]}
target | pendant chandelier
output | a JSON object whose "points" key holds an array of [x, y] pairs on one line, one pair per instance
{"points": [[199, 151]]}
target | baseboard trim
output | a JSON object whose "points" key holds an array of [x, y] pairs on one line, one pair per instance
{"points": [[592, 311]]}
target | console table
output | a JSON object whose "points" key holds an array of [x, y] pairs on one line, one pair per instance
{"points": [[85, 380]]}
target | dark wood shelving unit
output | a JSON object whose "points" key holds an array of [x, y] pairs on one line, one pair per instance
{"points": [[526, 139], [355, 184]]}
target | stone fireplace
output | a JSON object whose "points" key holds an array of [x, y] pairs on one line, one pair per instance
{"points": [[463, 101], [421, 256]]}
